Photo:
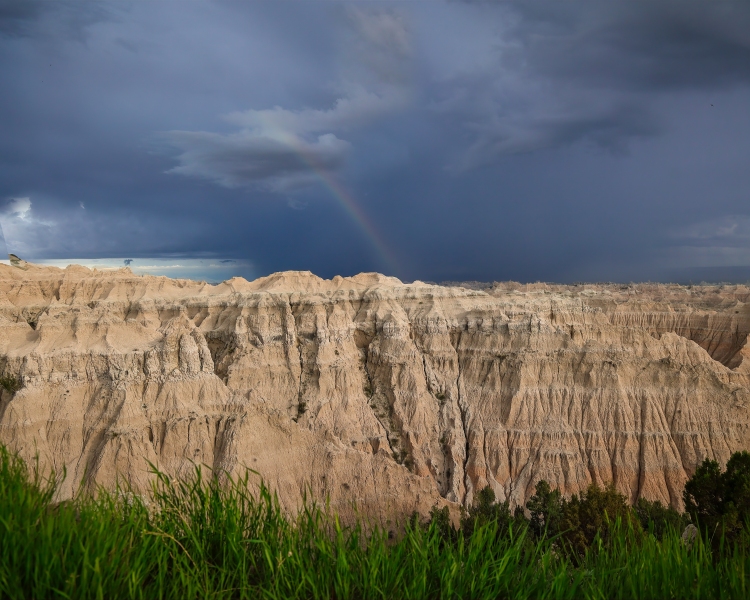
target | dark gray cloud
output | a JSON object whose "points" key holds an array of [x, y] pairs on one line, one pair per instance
{"points": [[563, 73], [381, 41], [634, 45], [15, 16], [723, 241], [283, 148], [279, 148], [68, 18], [526, 139], [245, 158]]}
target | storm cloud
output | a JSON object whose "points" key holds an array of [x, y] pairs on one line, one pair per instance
{"points": [[562, 73], [525, 139], [278, 147]]}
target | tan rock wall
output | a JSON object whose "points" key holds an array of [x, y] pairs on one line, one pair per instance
{"points": [[369, 391]]}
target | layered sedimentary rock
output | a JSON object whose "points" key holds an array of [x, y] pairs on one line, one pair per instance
{"points": [[394, 397]]}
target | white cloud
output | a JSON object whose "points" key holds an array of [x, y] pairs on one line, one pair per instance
{"points": [[18, 207], [24, 231], [354, 109]]}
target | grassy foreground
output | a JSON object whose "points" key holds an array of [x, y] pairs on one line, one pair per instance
{"points": [[197, 539]]}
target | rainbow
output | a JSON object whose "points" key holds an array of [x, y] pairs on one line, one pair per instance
{"points": [[344, 198]]}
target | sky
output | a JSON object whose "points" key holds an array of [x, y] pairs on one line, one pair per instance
{"points": [[527, 140]]}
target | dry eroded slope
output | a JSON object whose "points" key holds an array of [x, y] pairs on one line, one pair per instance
{"points": [[395, 396]]}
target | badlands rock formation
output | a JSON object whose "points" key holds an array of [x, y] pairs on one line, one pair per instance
{"points": [[392, 396]]}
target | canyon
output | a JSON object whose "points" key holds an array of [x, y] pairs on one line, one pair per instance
{"points": [[377, 396]]}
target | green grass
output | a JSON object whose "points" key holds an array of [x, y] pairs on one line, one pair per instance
{"points": [[199, 539]]}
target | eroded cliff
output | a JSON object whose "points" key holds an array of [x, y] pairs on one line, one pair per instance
{"points": [[394, 396]]}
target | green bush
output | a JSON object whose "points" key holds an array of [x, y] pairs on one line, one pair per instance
{"points": [[719, 500], [546, 510], [486, 511], [440, 522], [10, 384], [593, 515], [658, 519]]}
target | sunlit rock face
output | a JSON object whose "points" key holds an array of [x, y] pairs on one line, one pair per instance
{"points": [[395, 397]]}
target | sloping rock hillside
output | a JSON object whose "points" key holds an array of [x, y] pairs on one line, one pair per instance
{"points": [[393, 396]]}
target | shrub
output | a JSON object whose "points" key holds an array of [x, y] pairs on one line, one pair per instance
{"points": [[719, 500], [658, 519], [485, 511], [703, 494], [440, 520], [736, 507], [545, 507], [10, 384], [594, 514]]}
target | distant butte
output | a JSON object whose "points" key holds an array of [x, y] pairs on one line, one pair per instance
{"points": [[394, 396]]}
